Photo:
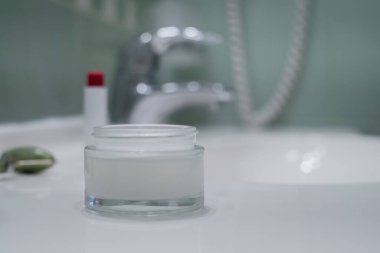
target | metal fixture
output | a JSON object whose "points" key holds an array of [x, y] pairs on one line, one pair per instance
{"points": [[136, 96]]}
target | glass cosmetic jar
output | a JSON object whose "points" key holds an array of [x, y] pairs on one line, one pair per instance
{"points": [[144, 170]]}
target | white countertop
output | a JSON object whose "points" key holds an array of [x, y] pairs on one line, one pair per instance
{"points": [[44, 213]]}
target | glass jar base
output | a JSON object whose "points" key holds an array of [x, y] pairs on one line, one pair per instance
{"points": [[144, 207]]}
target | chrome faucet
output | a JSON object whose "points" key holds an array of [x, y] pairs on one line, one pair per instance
{"points": [[136, 96]]}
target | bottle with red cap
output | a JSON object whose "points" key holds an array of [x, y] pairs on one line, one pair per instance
{"points": [[95, 104]]}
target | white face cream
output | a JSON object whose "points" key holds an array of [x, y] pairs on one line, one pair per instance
{"points": [[144, 170]]}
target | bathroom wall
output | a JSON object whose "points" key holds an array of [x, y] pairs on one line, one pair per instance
{"points": [[47, 47]]}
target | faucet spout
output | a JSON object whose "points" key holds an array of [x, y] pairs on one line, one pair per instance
{"points": [[156, 107]]}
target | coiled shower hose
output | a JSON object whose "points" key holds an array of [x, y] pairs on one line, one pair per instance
{"points": [[290, 74]]}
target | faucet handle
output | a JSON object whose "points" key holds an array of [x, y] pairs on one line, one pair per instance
{"points": [[192, 33], [168, 37]]}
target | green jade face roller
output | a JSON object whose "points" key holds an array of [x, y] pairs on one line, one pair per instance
{"points": [[28, 160]]}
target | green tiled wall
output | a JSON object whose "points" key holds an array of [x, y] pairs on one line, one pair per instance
{"points": [[46, 48]]}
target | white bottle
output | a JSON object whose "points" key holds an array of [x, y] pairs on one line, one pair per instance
{"points": [[95, 104]]}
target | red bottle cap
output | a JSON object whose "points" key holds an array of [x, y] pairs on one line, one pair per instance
{"points": [[95, 78]]}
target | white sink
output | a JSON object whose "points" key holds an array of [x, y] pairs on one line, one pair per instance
{"points": [[292, 157], [265, 192]]}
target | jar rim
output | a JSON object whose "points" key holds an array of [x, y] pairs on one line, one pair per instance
{"points": [[143, 131]]}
